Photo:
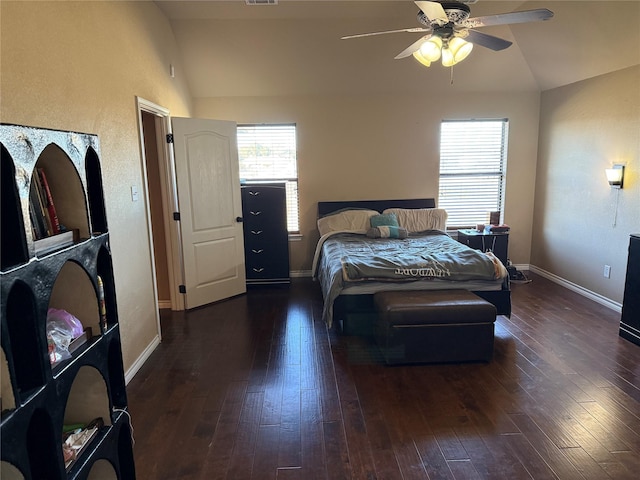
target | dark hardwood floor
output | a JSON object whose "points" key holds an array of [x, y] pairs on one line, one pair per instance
{"points": [[255, 387]]}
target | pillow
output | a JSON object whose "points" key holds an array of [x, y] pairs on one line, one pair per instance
{"points": [[387, 232], [388, 220], [357, 221], [420, 219]]}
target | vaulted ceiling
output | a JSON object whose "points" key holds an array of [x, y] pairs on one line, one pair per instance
{"points": [[293, 48]]}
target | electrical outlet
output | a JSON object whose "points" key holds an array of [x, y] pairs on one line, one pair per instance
{"points": [[607, 271]]}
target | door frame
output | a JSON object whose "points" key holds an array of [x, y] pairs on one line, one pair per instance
{"points": [[169, 193]]}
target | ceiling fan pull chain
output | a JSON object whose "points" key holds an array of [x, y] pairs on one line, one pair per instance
{"points": [[451, 74]]}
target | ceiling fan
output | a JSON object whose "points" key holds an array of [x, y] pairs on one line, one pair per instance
{"points": [[451, 34]]}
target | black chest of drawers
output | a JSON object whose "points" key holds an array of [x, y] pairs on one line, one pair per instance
{"points": [[630, 321], [266, 239]]}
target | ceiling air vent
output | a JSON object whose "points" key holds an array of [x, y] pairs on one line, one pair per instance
{"points": [[261, 2]]}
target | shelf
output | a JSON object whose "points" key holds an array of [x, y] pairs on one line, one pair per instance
{"points": [[66, 188], [88, 398], [108, 458], [73, 286]]}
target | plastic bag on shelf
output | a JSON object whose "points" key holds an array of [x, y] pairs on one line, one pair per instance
{"points": [[62, 328]]}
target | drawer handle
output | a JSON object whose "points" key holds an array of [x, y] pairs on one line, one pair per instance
{"points": [[256, 232], [257, 251], [254, 193], [255, 213], [258, 270]]}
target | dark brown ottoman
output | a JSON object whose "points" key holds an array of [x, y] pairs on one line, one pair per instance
{"points": [[434, 326]]}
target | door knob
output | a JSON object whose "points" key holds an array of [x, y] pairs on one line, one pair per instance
{"points": [[239, 219]]}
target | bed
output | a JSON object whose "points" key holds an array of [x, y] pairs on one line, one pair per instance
{"points": [[354, 260]]}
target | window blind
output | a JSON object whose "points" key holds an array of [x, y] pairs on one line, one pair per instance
{"points": [[267, 153], [472, 170]]}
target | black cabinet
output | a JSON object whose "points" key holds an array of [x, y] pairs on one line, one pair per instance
{"points": [[266, 239], [44, 389], [630, 321], [485, 241]]}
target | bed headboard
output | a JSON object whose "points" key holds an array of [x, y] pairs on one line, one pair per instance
{"points": [[325, 208]]}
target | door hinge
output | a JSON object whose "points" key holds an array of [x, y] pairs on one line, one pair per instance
{"points": [[169, 137], [182, 289], [176, 216]]}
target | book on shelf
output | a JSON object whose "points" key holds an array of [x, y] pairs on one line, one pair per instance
{"points": [[51, 208], [35, 212], [42, 205]]}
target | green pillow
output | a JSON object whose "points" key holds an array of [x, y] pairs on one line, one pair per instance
{"points": [[387, 232], [384, 220]]}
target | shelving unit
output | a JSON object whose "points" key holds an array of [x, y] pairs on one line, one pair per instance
{"points": [[39, 398]]}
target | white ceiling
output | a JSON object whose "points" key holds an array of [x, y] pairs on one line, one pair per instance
{"points": [[294, 48]]}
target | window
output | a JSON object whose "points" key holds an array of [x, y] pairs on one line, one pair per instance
{"points": [[267, 153], [472, 170]]}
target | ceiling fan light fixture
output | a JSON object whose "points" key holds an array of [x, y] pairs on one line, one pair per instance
{"points": [[431, 48], [421, 58], [460, 48], [448, 59]]}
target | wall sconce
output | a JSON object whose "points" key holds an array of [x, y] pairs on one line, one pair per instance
{"points": [[615, 176]]}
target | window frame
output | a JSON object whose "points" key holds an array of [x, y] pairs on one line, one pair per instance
{"points": [[470, 177], [290, 182]]}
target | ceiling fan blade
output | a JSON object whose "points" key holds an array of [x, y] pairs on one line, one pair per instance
{"points": [[509, 18], [487, 41], [432, 10], [410, 30], [412, 48]]}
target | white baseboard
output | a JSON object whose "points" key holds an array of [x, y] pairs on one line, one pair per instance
{"points": [[164, 303], [596, 297], [137, 365]]}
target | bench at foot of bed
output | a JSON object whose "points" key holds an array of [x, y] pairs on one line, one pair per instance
{"points": [[434, 326]]}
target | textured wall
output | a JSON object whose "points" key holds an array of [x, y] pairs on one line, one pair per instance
{"points": [[78, 66], [585, 128]]}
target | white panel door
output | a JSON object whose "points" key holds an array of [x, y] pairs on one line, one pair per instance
{"points": [[207, 178]]}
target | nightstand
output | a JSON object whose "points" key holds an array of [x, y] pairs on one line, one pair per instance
{"points": [[498, 243]]}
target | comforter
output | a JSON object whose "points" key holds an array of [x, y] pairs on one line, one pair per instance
{"points": [[431, 257]]}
